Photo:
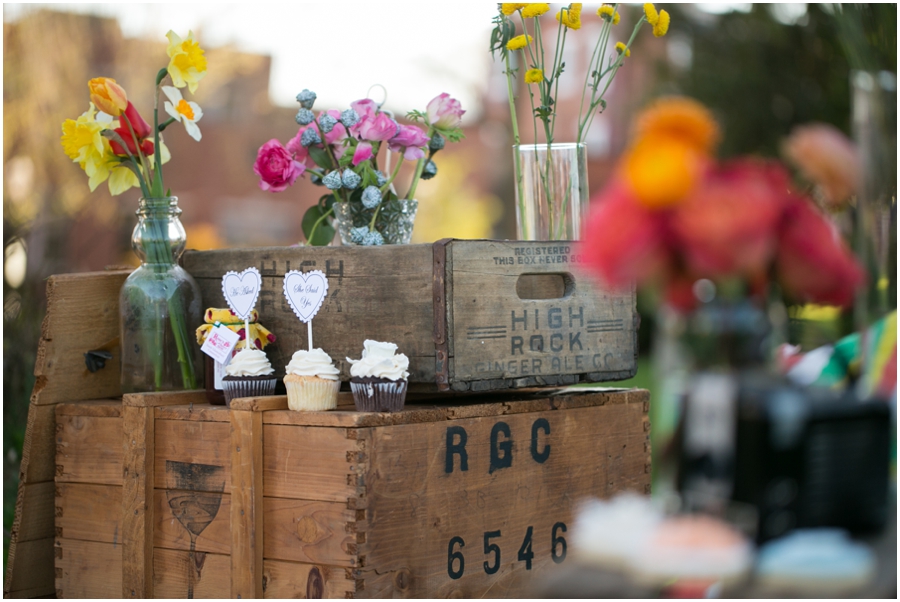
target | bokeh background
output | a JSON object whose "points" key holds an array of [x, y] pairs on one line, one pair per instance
{"points": [[762, 69]]}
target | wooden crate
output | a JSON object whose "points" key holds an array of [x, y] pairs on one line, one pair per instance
{"points": [[459, 500], [472, 315]]}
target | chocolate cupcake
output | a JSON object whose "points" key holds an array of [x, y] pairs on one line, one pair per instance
{"points": [[248, 374], [379, 380]]}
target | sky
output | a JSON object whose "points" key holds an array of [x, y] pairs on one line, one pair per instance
{"points": [[339, 50]]}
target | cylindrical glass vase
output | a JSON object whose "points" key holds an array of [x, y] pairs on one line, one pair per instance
{"points": [[393, 225], [158, 305], [551, 191]]}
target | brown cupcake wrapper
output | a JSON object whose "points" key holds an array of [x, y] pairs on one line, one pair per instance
{"points": [[378, 394], [247, 386]]}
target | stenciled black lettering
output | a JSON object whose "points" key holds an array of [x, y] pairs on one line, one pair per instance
{"points": [[458, 448], [517, 343], [553, 337], [498, 461], [554, 317], [523, 320], [575, 339], [579, 316], [541, 424], [536, 343]]}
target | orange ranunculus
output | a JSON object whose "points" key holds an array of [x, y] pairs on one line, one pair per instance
{"points": [[813, 263], [624, 242], [142, 131], [729, 225], [680, 118], [661, 171], [108, 96], [827, 158]]}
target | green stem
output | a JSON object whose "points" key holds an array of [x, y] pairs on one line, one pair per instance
{"points": [[312, 231]]}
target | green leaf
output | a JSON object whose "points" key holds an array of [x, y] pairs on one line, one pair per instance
{"points": [[324, 231], [320, 157]]}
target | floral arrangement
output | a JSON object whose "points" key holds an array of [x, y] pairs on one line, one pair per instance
{"points": [[132, 153], [543, 75], [672, 215], [341, 149]]}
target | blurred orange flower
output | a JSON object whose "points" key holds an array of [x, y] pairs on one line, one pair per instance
{"points": [[108, 96], [827, 158]]}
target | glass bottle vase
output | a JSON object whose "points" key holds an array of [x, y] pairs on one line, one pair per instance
{"points": [[551, 191], [158, 305]]}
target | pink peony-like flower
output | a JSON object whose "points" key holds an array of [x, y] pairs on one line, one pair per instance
{"points": [[338, 132], [362, 153], [444, 112], [378, 128], [410, 140], [365, 108], [827, 158], [275, 167], [297, 150]]}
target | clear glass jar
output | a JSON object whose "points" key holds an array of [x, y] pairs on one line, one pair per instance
{"points": [[551, 191], [395, 220], [158, 305]]}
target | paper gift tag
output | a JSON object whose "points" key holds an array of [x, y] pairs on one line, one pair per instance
{"points": [[305, 292], [241, 291], [219, 344]]}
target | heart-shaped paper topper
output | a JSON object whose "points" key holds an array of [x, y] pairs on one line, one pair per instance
{"points": [[305, 292], [241, 291]]}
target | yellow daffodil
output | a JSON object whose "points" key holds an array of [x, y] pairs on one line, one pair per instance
{"points": [[508, 8], [608, 12], [621, 48], [570, 17], [535, 10], [534, 76], [662, 24], [108, 96], [188, 113], [519, 42], [650, 12], [121, 178], [187, 65], [84, 143]]}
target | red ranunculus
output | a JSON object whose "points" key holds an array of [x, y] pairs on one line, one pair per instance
{"points": [[813, 263], [728, 226], [275, 167]]}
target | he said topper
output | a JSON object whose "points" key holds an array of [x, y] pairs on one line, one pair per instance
{"points": [[305, 293]]}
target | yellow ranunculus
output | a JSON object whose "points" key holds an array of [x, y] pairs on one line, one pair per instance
{"points": [[534, 76], [662, 24], [535, 10], [570, 17], [519, 42], [108, 96], [187, 65], [650, 12], [621, 48]]}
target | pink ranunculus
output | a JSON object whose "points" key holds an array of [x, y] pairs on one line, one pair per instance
{"points": [[827, 158], [813, 263], [381, 127], [444, 112], [410, 140], [366, 109], [337, 133], [362, 153], [275, 167], [297, 150]]}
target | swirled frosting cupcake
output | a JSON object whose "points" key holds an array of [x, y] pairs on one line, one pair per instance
{"points": [[379, 379], [248, 374], [312, 381]]}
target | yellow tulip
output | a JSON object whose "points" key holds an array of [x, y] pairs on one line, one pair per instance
{"points": [[108, 96]]}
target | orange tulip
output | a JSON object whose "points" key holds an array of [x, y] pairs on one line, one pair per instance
{"points": [[108, 96]]}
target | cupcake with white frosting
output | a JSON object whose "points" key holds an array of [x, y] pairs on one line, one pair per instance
{"points": [[248, 374], [379, 379], [312, 381]]}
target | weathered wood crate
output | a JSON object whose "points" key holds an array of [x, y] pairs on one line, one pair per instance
{"points": [[460, 500], [472, 315]]}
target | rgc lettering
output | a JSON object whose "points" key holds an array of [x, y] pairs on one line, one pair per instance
{"points": [[501, 445]]}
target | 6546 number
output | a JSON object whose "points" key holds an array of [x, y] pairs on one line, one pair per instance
{"points": [[456, 562]]}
